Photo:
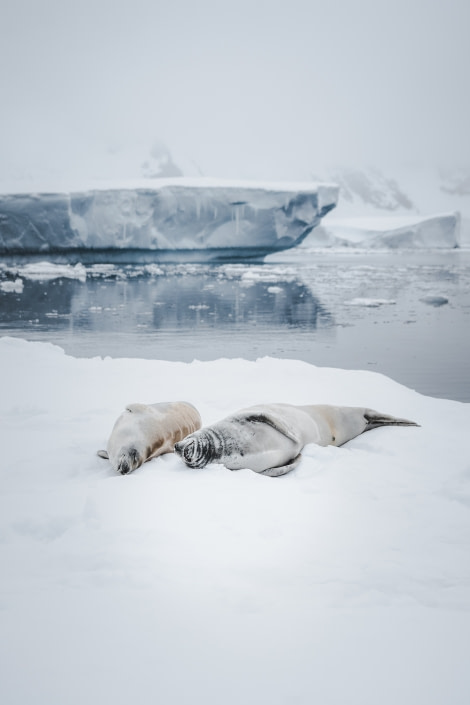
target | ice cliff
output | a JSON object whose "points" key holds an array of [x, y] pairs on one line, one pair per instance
{"points": [[175, 214]]}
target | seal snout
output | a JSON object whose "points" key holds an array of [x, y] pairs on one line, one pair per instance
{"points": [[191, 452], [128, 461], [179, 447]]}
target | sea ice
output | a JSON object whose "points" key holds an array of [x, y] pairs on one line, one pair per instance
{"points": [[348, 576]]}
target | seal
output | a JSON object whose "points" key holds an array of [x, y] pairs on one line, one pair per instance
{"points": [[268, 438], [144, 431]]}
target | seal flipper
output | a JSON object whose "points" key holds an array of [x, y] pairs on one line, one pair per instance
{"points": [[102, 454], [282, 469], [375, 420], [275, 421]]}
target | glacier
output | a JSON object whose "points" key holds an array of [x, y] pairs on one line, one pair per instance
{"points": [[197, 219]]}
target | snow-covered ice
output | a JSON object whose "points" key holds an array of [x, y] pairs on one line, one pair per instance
{"points": [[346, 581]]}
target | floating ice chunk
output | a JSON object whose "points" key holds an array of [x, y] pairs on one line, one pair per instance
{"points": [[372, 303], [273, 274], [43, 271], [12, 287], [154, 270], [433, 300]]}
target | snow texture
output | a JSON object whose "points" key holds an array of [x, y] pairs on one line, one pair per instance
{"points": [[346, 581], [175, 214]]}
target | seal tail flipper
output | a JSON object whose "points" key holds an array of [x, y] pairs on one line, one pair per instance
{"points": [[282, 469], [375, 420], [102, 454]]}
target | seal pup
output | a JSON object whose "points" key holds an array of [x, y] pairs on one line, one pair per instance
{"points": [[144, 431], [268, 438]]}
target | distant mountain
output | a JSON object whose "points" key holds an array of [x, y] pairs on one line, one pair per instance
{"points": [[369, 188]]}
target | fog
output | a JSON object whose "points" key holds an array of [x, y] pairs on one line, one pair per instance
{"points": [[248, 89]]}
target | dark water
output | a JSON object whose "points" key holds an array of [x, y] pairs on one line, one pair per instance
{"points": [[406, 315]]}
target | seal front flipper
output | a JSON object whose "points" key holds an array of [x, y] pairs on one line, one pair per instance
{"points": [[271, 418], [283, 469], [102, 454]]}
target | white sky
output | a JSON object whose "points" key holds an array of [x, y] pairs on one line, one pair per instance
{"points": [[245, 89]]}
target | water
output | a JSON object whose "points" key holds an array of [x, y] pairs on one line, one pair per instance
{"points": [[380, 312]]}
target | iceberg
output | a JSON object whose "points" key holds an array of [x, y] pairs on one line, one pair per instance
{"points": [[394, 232], [197, 219]]}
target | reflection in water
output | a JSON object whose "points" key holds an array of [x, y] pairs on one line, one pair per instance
{"points": [[339, 310], [166, 302], [43, 304]]}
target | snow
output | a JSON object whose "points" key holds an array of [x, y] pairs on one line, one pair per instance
{"points": [[166, 215], [68, 185], [345, 581]]}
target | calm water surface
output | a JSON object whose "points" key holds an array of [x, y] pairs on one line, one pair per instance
{"points": [[406, 315]]}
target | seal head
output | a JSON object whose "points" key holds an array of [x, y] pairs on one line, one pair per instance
{"points": [[129, 459], [200, 448]]}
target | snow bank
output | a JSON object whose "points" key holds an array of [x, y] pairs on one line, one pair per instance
{"points": [[393, 232], [344, 581], [167, 215]]}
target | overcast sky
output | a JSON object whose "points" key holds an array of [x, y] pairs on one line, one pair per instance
{"points": [[243, 88]]}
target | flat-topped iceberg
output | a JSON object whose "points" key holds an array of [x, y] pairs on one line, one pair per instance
{"points": [[173, 215]]}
